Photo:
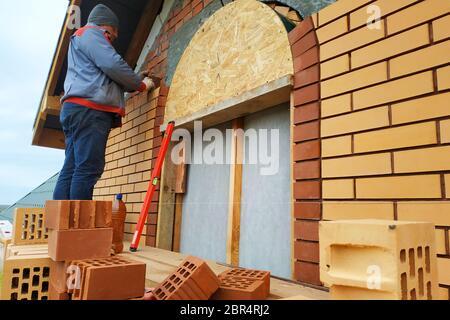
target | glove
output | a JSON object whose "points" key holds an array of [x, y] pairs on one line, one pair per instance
{"points": [[149, 84]]}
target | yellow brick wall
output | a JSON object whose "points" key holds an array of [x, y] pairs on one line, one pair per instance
{"points": [[129, 156], [385, 111]]}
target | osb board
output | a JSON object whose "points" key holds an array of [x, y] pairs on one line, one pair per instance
{"points": [[241, 47]]}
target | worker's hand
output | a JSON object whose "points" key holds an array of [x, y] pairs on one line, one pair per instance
{"points": [[156, 80], [149, 84]]}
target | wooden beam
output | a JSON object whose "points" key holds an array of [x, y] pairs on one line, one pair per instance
{"points": [[234, 210], [180, 183], [258, 99], [166, 209], [142, 31], [177, 223]]}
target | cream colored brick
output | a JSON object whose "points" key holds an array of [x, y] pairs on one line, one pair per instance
{"points": [[350, 41], [332, 30], [338, 189], [344, 210], [356, 121], [434, 106], [399, 137], [437, 212], [422, 160], [444, 270], [447, 185], [354, 80], [394, 90], [348, 247], [391, 46], [338, 9], [443, 76], [335, 66], [357, 166], [441, 28], [405, 187], [336, 105], [421, 59], [440, 241], [445, 131], [361, 16], [337, 146], [444, 293], [416, 14]]}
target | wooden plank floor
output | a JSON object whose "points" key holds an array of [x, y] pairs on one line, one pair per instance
{"points": [[161, 263]]}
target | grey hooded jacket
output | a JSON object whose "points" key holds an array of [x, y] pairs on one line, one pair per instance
{"points": [[97, 76]]}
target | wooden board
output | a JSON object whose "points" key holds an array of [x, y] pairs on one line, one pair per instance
{"points": [[268, 95], [161, 263], [234, 211], [242, 46]]}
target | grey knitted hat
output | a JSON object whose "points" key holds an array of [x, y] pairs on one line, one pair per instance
{"points": [[101, 15]]}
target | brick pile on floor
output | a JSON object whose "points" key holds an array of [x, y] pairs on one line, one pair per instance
{"points": [[194, 280], [79, 243]]}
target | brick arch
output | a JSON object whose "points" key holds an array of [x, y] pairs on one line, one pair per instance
{"points": [[306, 166]]}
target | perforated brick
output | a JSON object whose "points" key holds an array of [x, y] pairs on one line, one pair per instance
{"points": [[379, 259], [233, 288], [193, 280], [29, 226], [66, 245], [26, 278], [65, 215], [55, 295], [249, 274], [113, 278]]}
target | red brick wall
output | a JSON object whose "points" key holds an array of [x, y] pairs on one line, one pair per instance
{"points": [[306, 152]]}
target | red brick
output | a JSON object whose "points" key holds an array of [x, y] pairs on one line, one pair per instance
{"points": [[150, 241], [54, 295], [64, 245], [306, 251], [307, 210], [240, 289], [206, 2], [307, 170], [58, 275], [301, 30], [307, 272], [306, 230], [306, 43], [307, 112], [65, 215], [307, 94], [57, 215], [307, 190], [307, 77], [259, 275], [114, 278], [306, 59], [193, 280], [196, 2], [307, 150], [306, 131], [197, 9]]}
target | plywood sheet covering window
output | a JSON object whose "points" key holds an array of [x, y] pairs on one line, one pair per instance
{"points": [[241, 47]]}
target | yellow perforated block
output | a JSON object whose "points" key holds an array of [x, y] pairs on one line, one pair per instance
{"points": [[29, 226], [378, 259], [26, 278]]}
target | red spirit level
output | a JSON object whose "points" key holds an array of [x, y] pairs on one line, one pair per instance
{"points": [[156, 175]]}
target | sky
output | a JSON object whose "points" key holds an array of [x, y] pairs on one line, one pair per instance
{"points": [[29, 32]]}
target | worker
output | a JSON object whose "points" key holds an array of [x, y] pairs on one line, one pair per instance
{"points": [[93, 102]]}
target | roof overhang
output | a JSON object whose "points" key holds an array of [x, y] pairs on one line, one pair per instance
{"points": [[136, 18]]}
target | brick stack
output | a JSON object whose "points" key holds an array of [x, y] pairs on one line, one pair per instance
{"points": [[80, 237]]}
